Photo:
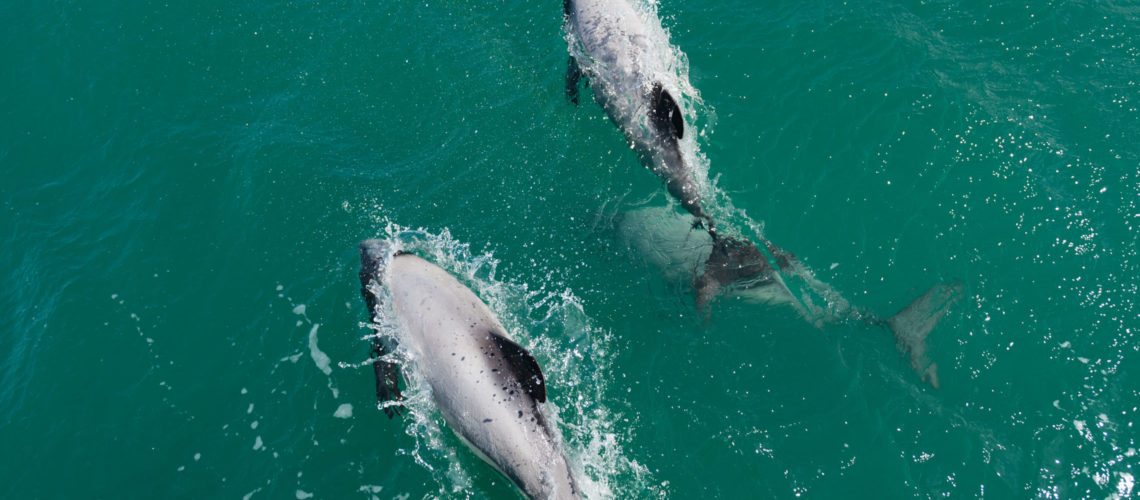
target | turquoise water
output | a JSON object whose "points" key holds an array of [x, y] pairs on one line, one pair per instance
{"points": [[179, 180]]}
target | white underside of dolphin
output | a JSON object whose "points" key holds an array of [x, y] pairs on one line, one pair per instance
{"points": [[488, 389]]}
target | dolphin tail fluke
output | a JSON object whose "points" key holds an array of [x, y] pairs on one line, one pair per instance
{"points": [[913, 324]]}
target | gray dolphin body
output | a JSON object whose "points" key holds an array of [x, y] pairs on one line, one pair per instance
{"points": [[488, 389], [633, 81], [630, 79]]}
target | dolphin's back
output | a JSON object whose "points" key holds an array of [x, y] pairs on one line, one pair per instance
{"points": [[487, 388]]}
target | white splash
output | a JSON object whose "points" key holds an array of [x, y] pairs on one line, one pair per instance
{"points": [[1125, 485], [319, 357], [343, 411]]}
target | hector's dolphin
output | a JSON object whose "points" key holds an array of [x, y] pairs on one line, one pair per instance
{"points": [[630, 81], [666, 240], [633, 81], [489, 389]]}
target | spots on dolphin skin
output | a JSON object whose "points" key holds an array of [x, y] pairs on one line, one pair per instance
{"points": [[487, 420]]}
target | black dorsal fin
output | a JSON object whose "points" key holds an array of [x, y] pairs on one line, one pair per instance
{"points": [[523, 365], [666, 114]]}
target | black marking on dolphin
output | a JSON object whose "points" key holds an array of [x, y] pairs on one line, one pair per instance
{"points": [[666, 113], [523, 365]]}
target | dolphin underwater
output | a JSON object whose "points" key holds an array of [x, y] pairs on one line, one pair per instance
{"points": [[489, 390], [633, 83], [667, 241]]}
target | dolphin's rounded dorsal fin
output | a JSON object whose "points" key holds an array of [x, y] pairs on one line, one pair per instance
{"points": [[666, 114], [523, 365]]}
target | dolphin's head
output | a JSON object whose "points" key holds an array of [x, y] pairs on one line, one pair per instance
{"points": [[373, 257]]}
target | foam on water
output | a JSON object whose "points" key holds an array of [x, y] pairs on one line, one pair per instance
{"points": [[343, 411], [319, 357], [574, 355]]}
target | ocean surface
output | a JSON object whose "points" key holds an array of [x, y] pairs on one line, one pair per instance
{"points": [[184, 186]]}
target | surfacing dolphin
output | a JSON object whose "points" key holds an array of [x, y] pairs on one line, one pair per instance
{"points": [[488, 389], [668, 241], [613, 44]]}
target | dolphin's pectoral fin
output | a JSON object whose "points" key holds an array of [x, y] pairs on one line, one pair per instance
{"points": [[666, 114], [387, 380], [573, 75], [523, 365], [736, 261]]}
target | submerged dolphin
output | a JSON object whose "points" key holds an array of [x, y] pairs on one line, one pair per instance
{"points": [[667, 241], [632, 81], [489, 389]]}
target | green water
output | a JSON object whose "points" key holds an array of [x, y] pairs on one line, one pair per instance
{"points": [[179, 178]]}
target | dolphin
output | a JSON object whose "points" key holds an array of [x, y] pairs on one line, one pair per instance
{"points": [[665, 240], [488, 388], [629, 80], [632, 81]]}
